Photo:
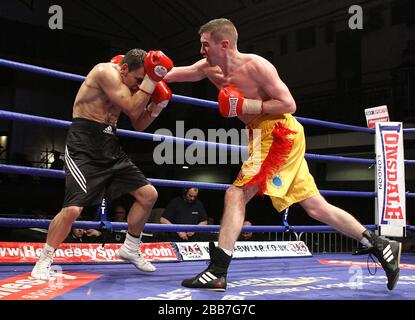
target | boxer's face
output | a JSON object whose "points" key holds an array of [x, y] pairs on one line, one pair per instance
{"points": [[213, 52], [132, 79]]}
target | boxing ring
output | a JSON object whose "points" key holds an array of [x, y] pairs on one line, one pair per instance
{"points": [[317, 277]]}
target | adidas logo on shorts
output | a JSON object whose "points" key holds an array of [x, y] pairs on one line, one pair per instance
{"points": [[108, 130]]}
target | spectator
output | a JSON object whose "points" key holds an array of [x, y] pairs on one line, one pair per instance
{"points": [[57, 163], [81, 235], [245, 235], [75, 236], [185, 209], [119, 215]]}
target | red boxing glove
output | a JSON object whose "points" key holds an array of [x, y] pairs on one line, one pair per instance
{"points": [[117, 59], [232, 103], [160, 98], [156, 64]]}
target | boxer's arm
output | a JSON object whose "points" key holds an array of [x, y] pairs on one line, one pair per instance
{"points": [[143, 121], [159, 101], [193, 73], [119, 94], [282, 101]]}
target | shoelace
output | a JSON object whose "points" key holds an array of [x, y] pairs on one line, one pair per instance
{"points": [[370, 256]]}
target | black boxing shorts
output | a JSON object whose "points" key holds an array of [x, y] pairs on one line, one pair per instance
{"points": [[96, 166]]}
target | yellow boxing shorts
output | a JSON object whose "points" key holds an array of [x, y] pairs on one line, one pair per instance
{"points": [[276, 160]]}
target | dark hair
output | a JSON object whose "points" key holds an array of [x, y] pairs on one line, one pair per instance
{"points": [[134, 58]]}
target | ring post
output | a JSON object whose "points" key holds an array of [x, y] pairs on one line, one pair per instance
{"points": [[105, 224], [390, 179]]}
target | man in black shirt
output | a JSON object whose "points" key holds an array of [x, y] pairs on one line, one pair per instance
{"points": [[185, 209], [57, 163]]}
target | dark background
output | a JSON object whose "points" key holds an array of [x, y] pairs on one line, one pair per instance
{"points": [[334, 73]]}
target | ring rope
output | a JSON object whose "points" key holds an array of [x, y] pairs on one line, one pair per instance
{"points": [[156, 227], [41, 172], [177, 98], [9, 115]]}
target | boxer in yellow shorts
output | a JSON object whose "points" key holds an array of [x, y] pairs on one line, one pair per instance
{"points": [[288, 181], [250, 88]]}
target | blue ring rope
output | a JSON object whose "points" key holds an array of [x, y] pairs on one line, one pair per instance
{"points": [[176, 98], [41, 172], [49, 173], [155, 227], [9, 115]]}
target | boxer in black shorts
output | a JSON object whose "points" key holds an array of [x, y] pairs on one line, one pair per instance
{"points": [[95, 159], [95, 164]]}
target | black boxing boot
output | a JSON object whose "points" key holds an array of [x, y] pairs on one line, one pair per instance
{"points": [[388, 253], [214, 277]]}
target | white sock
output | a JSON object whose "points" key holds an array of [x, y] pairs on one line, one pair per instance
{"points": [[47, 251], [132, 243], [366, 242], [228, 252]]}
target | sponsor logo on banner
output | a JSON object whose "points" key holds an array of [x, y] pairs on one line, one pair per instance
{"points": [[376, 114], [158, 251], [390, 177], [23, 287], [246, 249], [15, 252], [193, 251]]}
